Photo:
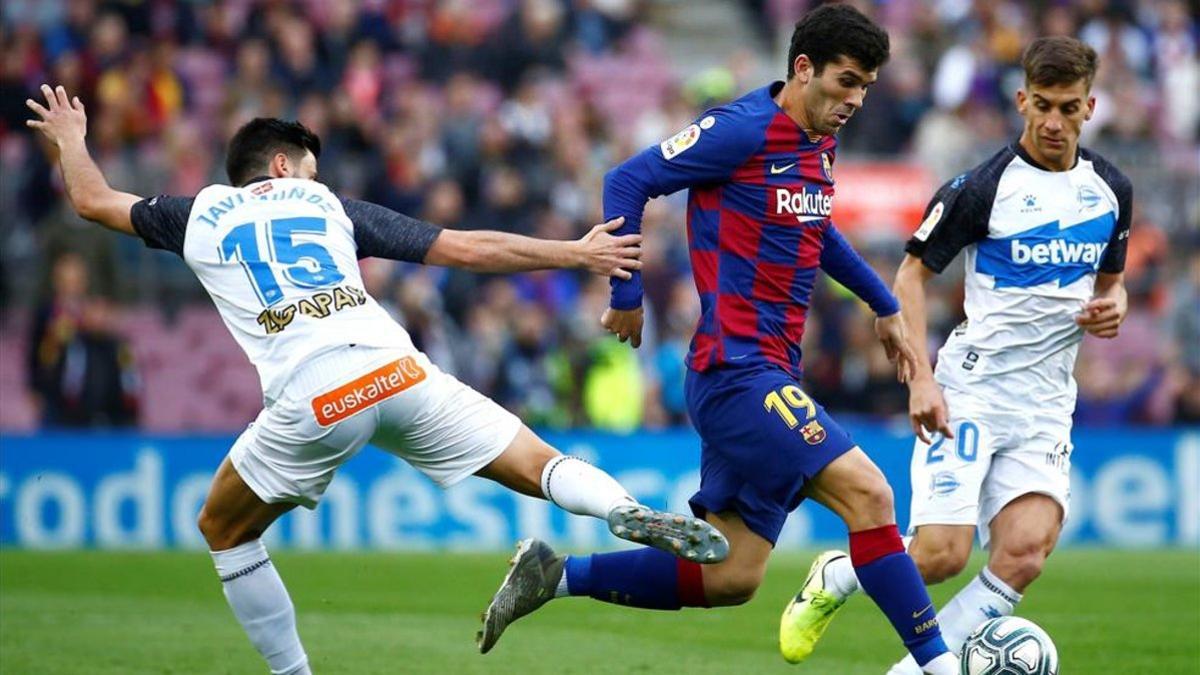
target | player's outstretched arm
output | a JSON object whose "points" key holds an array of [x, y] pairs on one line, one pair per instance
{"points": [[706, 151], [380, 232], [64, 122], [598, 251], [627, 188], [927, 409]]}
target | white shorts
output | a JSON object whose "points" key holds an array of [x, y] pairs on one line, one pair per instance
{"points": [[397, 400], [994, 458]]}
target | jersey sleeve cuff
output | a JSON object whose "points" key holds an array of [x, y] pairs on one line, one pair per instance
{"points": [[886, 307]]}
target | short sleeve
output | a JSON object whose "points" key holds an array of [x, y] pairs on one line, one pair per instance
{"points": [[955, 218], [1114, 256], [380, 232], [161, 221]]}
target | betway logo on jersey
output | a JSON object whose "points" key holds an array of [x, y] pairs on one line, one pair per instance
{"points": [[1058, 251], [803, 204], [1046, 253]]}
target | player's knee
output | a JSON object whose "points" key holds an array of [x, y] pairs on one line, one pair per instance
{"points": [[1020, 563], [210, 528], [219, 533], [873, 504], [735, 588], [940, 564], [521, 464], [881, 502]]}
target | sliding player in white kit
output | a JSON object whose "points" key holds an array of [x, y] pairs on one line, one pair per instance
{"points": [[278, 253], [1044, 225]]}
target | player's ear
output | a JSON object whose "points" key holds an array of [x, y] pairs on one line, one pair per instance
{"points": [[1022, 101], [1091, 108], [281, 166], [803, 68]]}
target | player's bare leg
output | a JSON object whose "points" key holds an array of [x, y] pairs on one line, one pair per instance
{"points": [[232, 514], [1022, 536], [232, 521], [941, 551], [734, 581], [854, 488], [532, 467]]}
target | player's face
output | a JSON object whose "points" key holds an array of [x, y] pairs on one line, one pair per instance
{"points": [[1054, 116], [836, 94]]}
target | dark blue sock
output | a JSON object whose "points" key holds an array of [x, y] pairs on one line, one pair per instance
{"points": [[644, 577], [889, 576]]}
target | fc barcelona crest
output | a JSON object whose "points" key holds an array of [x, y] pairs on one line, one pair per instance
{"points": [[827, 166], [813, 432]]}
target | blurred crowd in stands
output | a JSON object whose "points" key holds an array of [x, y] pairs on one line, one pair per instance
{"points": [[505, 114]]}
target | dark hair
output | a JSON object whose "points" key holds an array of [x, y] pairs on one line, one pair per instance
{"points": [[1058, 60], [835, 30], [253, 146]]}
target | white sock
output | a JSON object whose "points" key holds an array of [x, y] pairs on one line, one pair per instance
{"points": [[562, 590], [576, 486], [840, 578], [946, 664], [261, 604], [985, 597]]}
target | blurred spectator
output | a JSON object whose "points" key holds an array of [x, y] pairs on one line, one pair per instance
{"points": [[80, 370], [1185, 320]]}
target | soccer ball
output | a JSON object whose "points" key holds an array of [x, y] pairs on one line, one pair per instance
{"points": [[1009, 645]]}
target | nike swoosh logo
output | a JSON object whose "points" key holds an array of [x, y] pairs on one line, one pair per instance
{"points": [[917, 615], [775, 170]]}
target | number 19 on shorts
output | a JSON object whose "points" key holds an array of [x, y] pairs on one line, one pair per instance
{"points": [[789, 400], [797, 410]]}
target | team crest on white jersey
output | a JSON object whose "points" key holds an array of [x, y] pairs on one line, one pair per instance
{"points": [[1088, 197]]}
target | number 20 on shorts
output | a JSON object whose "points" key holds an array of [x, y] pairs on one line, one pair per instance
{"points": [[786, 401], [966, 447]]}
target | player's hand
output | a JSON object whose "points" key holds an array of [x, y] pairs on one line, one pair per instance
{"points": [[626, 324], [611, 256], [1102, 317], [61, 119], [927, 409], [891, 333]]}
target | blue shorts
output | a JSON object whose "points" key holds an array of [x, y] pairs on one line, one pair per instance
{"points": [[762, 438]]}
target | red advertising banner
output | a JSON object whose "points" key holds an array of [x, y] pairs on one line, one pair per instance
{"points": [[878, 196]]}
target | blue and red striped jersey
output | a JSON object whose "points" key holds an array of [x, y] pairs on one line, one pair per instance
{"points": [[758, 217]]}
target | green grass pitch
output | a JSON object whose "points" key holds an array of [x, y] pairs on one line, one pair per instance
{"points": [[121, 613]]}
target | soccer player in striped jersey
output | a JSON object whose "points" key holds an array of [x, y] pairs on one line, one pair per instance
{"points": [[760, 175]]}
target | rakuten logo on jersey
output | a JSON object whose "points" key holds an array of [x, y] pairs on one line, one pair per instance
{"points": [[804, 205], [1057, 251]]}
